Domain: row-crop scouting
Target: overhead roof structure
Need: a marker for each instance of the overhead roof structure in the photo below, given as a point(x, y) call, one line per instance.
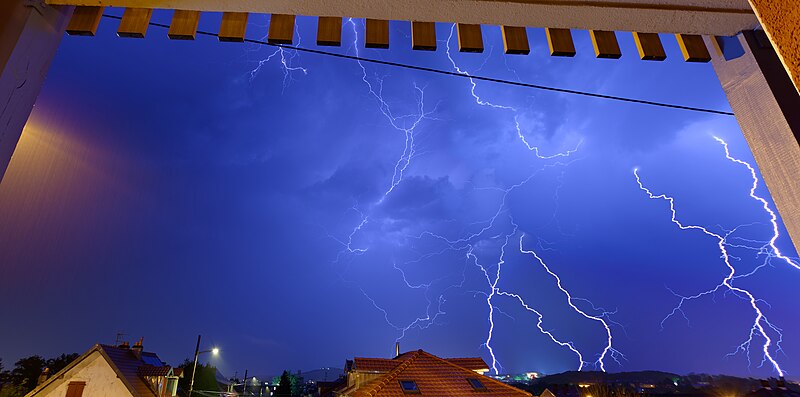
point(762, 81)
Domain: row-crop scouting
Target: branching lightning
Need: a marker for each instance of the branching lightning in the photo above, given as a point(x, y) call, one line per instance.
point(513, 110)
point(761, 326)
point(608, 349)
point(408, 126)
point(286, 59)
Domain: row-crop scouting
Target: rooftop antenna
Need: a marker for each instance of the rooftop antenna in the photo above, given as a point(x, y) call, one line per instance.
point(119, 340)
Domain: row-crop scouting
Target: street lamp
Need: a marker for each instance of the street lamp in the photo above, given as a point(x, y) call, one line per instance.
point(197, 352)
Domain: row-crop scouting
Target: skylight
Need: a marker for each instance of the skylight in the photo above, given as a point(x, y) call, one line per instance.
point(409, 386)
point(476, 384)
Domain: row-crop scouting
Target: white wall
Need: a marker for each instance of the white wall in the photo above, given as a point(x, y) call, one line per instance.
point(101, 380)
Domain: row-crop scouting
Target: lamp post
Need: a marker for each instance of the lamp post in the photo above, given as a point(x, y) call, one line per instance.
point(197, 352)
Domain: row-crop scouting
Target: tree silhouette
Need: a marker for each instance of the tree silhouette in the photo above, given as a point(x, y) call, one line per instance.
point(26, 372)
point(205, 378)
point(284, 388)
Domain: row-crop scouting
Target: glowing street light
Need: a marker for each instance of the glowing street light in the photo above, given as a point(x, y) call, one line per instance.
point(197, 352)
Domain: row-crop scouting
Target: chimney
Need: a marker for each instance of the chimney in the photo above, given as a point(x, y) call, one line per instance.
point(124, 345)
point(765, 384)
point(397, 349)
point(43, 377)
point(781, 384)
point(137, 348)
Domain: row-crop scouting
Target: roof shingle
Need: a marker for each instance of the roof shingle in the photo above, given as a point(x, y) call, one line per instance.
point(434, 376)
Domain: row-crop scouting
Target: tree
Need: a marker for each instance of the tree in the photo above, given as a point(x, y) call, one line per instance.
point(9, 390)
point(284, 388)
point(205, 377)
point(26, 372)
point(58, 363)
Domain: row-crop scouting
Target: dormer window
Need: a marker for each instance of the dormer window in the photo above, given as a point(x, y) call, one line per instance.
point(476, 384)
point(409, 387)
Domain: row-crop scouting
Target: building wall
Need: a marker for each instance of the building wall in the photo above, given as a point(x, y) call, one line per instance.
point(101, 380)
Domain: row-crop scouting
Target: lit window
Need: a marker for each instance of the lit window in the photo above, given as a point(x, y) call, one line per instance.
point(409, 386)
point(476, 384)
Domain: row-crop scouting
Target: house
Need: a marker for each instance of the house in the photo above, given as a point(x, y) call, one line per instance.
point(419, 373)
point(779, 390)
point(112, 371)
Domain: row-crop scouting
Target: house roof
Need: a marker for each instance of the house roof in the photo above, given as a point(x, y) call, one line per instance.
point(433, 376)
point(773, 392)
point(473, 363)
point(365, 364)
point(124, 362)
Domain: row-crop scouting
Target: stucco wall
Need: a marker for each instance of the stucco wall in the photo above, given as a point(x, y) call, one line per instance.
point(101, 380)
point(781, 21)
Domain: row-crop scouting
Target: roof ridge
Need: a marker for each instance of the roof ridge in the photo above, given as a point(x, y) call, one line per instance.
point(495, 381)
point(393, 373)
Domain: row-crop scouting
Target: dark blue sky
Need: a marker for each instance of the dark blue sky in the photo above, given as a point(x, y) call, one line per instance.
point(170, 188)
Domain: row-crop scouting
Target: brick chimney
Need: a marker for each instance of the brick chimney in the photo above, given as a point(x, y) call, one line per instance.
point(781, 384)
point(137, 348)
point(124, 345)
point(43, 377)
point(765, 384)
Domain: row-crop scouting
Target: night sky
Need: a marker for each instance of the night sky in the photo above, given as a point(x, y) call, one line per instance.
point(299, 216)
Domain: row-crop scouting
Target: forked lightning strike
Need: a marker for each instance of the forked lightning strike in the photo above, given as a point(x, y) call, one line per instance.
point(761, 325)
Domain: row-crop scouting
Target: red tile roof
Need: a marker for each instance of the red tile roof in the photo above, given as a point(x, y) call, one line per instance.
point(433, 376)
point(473, 363)
point(365, 364)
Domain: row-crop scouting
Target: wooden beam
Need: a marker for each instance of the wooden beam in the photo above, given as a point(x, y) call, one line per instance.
point(184, 25)
point(233, 27)
point(281, 29)
point(470, 38)
point(85, 20)
point(708, 17)
point(649, 46)
point(376, 33)
point(560, 42)
point(135, 22)
point(29, 39)
point(515, 40)
point(605, 44)
point(693, 48)
point(329, 31)
point(423, 36)
point(766, 104)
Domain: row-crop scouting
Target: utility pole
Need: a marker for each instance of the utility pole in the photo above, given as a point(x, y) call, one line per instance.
point(194, 368)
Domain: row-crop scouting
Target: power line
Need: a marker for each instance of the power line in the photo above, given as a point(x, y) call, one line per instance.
point(456, 74)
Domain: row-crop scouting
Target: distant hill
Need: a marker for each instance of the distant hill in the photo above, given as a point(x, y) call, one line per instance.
point(322, 374)
point(606, 377)
point(317, 375)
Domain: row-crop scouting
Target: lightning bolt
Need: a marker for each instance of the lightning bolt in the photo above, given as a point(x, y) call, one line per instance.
point(770, 248)
point(761, 324)
point(493, 291)
point(511, 109)
point(608, 349)
point(408, 125)
point(286, 59)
